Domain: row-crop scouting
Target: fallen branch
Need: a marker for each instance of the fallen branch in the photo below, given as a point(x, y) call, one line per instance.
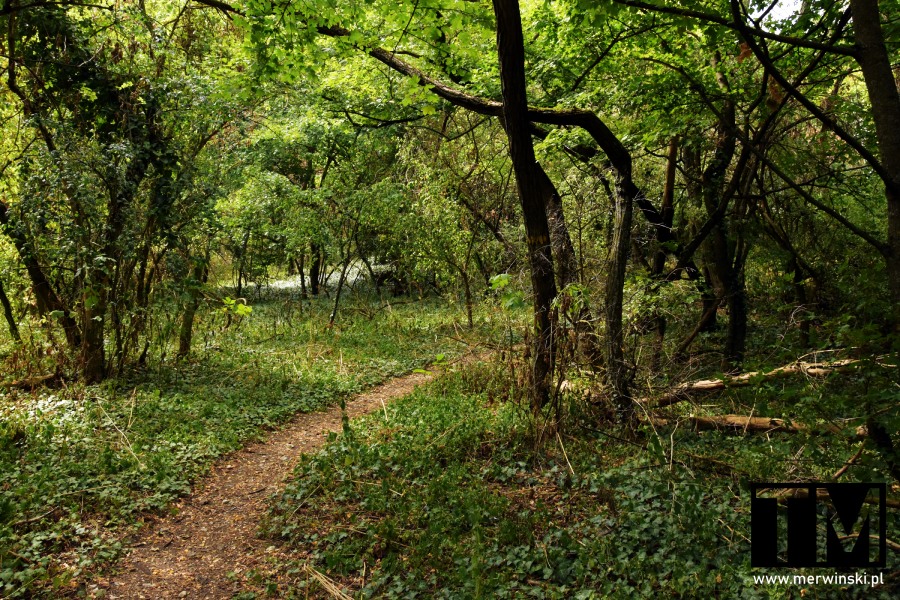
point(892, 545)
point(34, 519)
point(736, 422)
point(783, 495)
point(742, 424)
point(327, 584)
point(850, 462)
point(685, 391)
point(728, 468)
point(28, 383)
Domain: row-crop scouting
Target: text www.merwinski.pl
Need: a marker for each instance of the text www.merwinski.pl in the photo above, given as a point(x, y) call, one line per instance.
point(835, 579)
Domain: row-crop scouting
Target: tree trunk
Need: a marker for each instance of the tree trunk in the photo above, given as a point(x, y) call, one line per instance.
point(617, 369)
point(92, 357)
point(315, 269)
point(337, 293)
point(882, 87)
point(186, 334)
point(726, 265)
point(667, 208)
point(372, 274)
point(302, 276)
point(736, 338)
point(240, 278)
point(709, 317)
point(44, 294)
point(565, 260)
point(667, 213)
point(467, 290)
point(8, 313)
point(511, 54)
point(802, 300)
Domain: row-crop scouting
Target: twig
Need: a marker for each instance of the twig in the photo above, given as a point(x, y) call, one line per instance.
point(446, 431)
point(34, 519)
point(122, 433)
point(302, 502)
point(849, 463)
point(566, 456)
point(326, 583)
point(889, 543)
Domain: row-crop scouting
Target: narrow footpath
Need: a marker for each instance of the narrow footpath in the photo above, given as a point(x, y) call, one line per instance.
point(202, 550)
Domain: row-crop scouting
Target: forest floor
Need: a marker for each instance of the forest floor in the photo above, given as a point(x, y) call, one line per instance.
point(217, 477)
point(204, 548)
point(85, 468)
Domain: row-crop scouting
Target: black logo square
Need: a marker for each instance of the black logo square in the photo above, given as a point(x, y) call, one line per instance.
point(850, 518)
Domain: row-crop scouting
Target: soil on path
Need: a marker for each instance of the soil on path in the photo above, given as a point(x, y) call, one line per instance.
point(202, 550)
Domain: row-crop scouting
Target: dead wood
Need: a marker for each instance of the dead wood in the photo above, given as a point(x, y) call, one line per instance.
point(735, 422)
point(744, 424)
point(783, 495)
point(28, 383)
point(850, 462)
point(689, 389)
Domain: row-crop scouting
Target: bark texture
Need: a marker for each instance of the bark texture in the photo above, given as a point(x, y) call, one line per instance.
point(511, 53)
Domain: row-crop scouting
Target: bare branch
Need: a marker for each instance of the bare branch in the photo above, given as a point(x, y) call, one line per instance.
point(843, 49)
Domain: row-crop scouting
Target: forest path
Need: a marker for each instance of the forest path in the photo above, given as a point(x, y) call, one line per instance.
point(202, 551)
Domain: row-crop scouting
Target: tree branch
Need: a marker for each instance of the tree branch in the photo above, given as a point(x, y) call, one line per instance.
point(843, 49)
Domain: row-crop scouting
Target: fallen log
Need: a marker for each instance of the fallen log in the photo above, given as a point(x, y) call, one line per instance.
point(686, 390)
point(782, 495)
point(27, 383)
point(735, 422)
point(750, 424)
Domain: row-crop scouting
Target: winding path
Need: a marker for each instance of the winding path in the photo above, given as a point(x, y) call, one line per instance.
point(202, 550)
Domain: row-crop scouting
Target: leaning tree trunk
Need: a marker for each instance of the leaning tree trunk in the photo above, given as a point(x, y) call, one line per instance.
point(511, 54)
point(44, 294)
point(8, 313)
point(337, 293)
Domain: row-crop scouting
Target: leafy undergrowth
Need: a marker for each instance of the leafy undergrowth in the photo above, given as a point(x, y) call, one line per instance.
point(82, 466)
point(445, 497)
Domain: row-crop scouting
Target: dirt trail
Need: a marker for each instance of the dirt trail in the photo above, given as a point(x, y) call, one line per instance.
point(191, 554)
